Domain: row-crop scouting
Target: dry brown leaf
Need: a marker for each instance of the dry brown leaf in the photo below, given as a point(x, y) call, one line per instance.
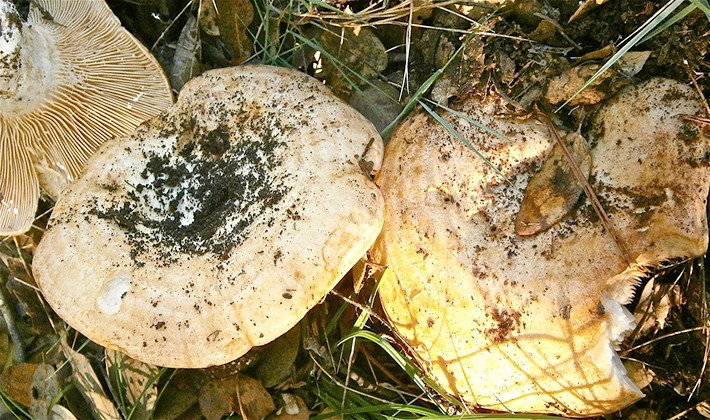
point(554, 190)
point(208, 18)
point(360, 51)
point(16, 382)
point(180, 395)
point(462, 75)
point(233, 18)
point(378, 103)
point(45, 389)
point(59, 412)
point(4, 348)
point(135, 382)
point(20, 286)
point(585, 6)
point(239, 394)
point(88, 384)
point(186, 61)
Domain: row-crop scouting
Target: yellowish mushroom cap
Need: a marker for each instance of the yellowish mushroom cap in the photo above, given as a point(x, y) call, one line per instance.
point(531, 323)
point(217, 225)
point(70, 78)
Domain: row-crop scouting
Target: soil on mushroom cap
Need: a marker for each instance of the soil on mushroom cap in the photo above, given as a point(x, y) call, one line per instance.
point(190, 200)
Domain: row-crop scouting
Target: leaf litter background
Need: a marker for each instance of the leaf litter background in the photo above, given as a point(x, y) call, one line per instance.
point(381, 57)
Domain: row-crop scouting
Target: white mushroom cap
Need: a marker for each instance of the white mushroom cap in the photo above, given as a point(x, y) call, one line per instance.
point(70, 78)
point(216, 226)
point(531, 323)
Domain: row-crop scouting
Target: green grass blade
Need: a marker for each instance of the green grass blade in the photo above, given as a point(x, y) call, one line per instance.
point(703, 5)
point(414, 100)
point(471, 121)
point(655, 20)
point(463, 140)
point(413, 371)
point(670, 22)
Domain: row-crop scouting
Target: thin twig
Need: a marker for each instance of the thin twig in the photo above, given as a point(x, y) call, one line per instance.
point(596, 204)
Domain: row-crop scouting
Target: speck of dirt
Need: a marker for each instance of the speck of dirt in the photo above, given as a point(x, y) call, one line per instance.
point(507, 323)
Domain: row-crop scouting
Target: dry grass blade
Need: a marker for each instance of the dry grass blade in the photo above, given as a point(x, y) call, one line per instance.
point(596, 204)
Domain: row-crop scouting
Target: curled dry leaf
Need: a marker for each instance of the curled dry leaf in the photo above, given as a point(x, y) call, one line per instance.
point(33, 385)
point(233, 18)
point(554, 190)
point(16, 382)
point(277, 358)
point(180, 395)
point(59, 412)
point(378, 103)
point(463, 74)
point(45, 390)
point(186, 61)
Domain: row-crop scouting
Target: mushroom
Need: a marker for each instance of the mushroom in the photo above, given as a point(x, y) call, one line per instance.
point(217, 225)
point(70, 78)
point(531, 323)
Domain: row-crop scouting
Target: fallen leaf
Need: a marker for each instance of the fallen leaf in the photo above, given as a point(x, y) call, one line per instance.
point(135, 380)
point(585, 6)
point(236, 394)
point(233, 20)
point(4, 348)
point(351, 57)
point(208, 17)
point(378, 103)
point(179, 395)
point(59, 412)
point(186, 61)
point(463, 75)
point(16, 382)
point(88, 384)
point(45, 390)
point(554, 190)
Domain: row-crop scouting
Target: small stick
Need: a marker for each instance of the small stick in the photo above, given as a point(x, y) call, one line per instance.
point(598, 208)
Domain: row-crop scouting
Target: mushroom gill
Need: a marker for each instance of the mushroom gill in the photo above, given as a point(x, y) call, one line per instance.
point(70, 78)
point(531, 323)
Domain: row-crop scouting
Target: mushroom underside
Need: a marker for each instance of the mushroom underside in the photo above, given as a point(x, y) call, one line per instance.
point(77, 79)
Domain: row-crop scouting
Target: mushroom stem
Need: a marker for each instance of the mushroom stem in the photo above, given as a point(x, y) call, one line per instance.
point(10, 34)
